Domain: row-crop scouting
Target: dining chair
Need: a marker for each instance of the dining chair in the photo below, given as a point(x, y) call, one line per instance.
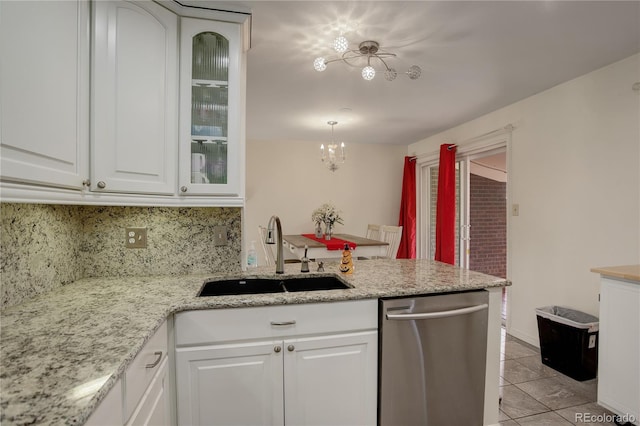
point(269, 257)
point(391, 234)
point(373, 232)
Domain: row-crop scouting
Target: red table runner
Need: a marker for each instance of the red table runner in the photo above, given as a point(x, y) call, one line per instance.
point(332, 244)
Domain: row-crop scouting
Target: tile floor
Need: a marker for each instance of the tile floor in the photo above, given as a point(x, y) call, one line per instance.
point(534, 394)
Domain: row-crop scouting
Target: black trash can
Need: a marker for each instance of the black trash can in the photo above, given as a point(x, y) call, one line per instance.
point(569, 341)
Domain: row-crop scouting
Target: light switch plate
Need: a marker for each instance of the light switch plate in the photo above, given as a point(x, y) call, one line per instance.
point(136, 238)
point(219, 235)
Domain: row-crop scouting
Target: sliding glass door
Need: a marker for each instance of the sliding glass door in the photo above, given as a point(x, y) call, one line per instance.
point(430, 176)
point(471, 166)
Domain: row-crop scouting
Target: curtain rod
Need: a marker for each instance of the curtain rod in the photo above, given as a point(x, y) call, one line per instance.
point(508, 128)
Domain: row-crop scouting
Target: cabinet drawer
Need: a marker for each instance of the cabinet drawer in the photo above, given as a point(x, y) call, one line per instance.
point(140, 373)
point(153, 409)
point(210, 326)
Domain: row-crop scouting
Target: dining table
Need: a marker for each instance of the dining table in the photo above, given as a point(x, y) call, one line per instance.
point(326, 249)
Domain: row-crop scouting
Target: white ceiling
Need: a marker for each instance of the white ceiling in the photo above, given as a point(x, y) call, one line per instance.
point(476, 57)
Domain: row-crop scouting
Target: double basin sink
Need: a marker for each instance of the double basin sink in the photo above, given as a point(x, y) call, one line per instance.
point(238, 286)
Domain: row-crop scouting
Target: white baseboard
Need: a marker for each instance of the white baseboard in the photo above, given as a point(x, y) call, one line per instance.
point(527, 337)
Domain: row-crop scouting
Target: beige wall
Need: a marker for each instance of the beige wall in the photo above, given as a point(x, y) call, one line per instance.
point(289, 180)
point(575, 172)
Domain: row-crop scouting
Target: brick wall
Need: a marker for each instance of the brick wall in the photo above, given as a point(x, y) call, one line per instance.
point(488, 219)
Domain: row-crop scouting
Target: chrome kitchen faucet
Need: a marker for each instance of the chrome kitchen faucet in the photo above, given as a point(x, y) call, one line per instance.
point(269, 240)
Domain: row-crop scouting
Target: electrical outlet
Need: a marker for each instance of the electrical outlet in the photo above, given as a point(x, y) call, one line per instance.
point(219, 235)
point(515, 210)
point(136, 238)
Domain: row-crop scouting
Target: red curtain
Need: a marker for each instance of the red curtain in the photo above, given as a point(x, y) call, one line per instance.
point(407, 249)
point(446, 207)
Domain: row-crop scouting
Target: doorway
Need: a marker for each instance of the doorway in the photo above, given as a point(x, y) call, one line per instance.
point(481, 206)
point(488, 214)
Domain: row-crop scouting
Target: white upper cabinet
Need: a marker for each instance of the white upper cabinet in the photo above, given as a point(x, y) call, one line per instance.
point(44, 92)
point(211, 86)
point(122, 102)
point(134, 98)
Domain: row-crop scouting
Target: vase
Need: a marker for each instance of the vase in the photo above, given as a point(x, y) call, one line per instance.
point(328, 231)
point(318, 230)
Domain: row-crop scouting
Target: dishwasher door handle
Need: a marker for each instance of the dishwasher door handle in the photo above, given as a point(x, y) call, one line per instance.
point(441, 314)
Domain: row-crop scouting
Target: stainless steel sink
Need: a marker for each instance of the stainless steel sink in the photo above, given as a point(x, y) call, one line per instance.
point(270, 285)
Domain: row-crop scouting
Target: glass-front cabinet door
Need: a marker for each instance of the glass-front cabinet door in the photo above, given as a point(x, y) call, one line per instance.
point(210, 108)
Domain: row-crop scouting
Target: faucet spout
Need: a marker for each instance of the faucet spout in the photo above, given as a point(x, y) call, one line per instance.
point(269, 240)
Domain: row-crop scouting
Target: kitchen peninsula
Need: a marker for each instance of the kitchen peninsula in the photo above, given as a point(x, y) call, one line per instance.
point(90, 331)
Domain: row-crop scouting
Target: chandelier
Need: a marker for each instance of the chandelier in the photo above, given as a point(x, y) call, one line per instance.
point(330, 156)
point(366, 55)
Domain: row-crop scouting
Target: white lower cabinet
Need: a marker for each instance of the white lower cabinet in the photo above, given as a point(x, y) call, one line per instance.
point(308, 368)
point(146, 383)
point(143, 395)
point(154, 407)
point(331, 380)
point(109, 412)
point(236, 384)
point(619, 348)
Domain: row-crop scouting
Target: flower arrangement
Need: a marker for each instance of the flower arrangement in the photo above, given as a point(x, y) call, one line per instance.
point(326, 213)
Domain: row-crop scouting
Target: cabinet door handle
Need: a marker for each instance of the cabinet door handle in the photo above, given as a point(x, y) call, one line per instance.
point(102, 185)
point(282, 323)
point(183, 188)
point(291, 348)
point(277, 349)
point(157, 361)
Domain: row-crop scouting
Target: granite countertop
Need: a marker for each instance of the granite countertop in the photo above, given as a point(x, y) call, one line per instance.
point(89, 331)
point(625, 272)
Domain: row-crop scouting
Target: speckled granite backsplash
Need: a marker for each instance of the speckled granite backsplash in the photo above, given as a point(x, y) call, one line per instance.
point(179, 241)
point(46, 246)
point(40, 249)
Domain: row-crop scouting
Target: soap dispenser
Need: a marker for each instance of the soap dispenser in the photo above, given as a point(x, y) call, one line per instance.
point(305, 260)
point(252, 256)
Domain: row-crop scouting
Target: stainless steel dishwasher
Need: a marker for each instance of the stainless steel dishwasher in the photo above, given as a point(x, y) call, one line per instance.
point(433, 353)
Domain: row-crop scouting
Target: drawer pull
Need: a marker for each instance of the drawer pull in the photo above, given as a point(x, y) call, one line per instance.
point(282, 323)
point(157, 361)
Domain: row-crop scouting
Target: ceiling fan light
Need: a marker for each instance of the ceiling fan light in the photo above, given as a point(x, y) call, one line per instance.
point(340, 44)
point(368, 52)
point(414, 72)
point(368, 72)
point(319, 64)
point(390, 74)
